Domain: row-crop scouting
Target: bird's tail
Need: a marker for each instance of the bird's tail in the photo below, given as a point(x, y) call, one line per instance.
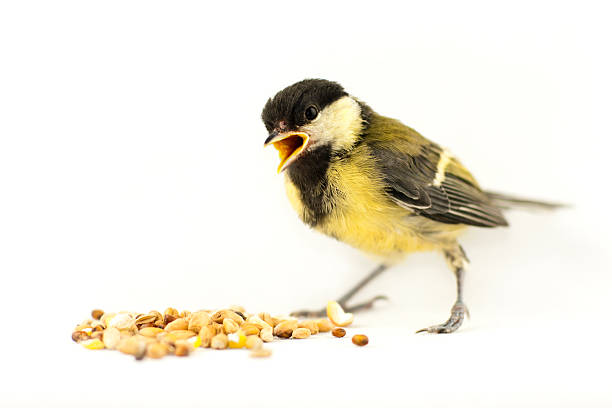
point(505, 201)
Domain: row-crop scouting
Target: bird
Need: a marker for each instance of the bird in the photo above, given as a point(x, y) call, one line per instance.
point(376, 184)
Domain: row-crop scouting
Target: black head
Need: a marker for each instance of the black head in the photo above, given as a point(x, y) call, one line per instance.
point(311, 116)
point(299, 103)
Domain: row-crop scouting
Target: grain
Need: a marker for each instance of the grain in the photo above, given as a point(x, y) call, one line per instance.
point(156, 335)
point(360, 340)
point(339, 332)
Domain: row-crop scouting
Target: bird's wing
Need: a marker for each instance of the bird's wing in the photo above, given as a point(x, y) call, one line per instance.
point(420, 176)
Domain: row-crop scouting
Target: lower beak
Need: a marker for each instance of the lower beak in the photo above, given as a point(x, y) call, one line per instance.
point(289, 146)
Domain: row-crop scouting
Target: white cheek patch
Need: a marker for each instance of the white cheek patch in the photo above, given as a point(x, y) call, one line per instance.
point(339, 124)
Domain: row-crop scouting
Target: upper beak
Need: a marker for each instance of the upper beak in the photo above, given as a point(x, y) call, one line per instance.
point(289, 146)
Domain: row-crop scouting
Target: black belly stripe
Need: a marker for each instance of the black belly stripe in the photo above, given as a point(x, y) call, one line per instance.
point(309, 175)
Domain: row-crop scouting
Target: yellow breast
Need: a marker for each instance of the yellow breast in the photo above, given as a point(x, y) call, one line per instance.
point(363, 217)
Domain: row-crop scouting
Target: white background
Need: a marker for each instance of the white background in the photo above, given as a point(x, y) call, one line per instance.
point(132, 177)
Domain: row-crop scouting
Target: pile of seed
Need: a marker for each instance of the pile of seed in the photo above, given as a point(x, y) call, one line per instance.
point(156, 335)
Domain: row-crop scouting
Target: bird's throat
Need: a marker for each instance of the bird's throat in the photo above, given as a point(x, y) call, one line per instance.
point(309, 175)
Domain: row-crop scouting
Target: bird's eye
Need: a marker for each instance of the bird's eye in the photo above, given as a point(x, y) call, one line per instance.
point(311, 112)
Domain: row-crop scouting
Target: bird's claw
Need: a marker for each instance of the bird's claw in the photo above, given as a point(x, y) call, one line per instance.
point(348, 309)
point(458, 313)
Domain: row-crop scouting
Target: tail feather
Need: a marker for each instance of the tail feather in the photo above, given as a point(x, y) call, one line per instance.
point(505, 201)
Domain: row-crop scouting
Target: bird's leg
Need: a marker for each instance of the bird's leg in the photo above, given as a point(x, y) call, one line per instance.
point(458, 261)
point(348, 295)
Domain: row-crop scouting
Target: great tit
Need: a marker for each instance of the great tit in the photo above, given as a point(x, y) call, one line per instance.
point(376, 184)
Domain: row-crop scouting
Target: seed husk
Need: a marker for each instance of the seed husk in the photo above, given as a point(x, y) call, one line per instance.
point(144, 319)
point(219, 316)
point(86, 327)
point(360, 340)
point(80, 336)
point(122, 321)
point(171, 312)
point(96, 335)
point(169, 319)
point(158, 316)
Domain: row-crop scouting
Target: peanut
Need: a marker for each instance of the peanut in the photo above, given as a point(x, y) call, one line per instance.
point(230, 326)
point(150, 331)
point(206, 334)
point(157, 350)
point(111, 338)
point(253, 342)
point(178, 324)
point(310, 325)
point(182, 350)
point(324, 325)
point(199, 320)
point(219, 316)
point(285, 328)
point(219, 342)
point(133, 346)
point(300, 333)
point(250, 329)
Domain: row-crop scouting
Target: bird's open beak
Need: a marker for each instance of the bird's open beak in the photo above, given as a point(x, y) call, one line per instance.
point(289, 146)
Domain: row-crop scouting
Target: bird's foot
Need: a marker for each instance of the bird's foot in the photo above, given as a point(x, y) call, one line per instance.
point(458, 312)
point(348, 309)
